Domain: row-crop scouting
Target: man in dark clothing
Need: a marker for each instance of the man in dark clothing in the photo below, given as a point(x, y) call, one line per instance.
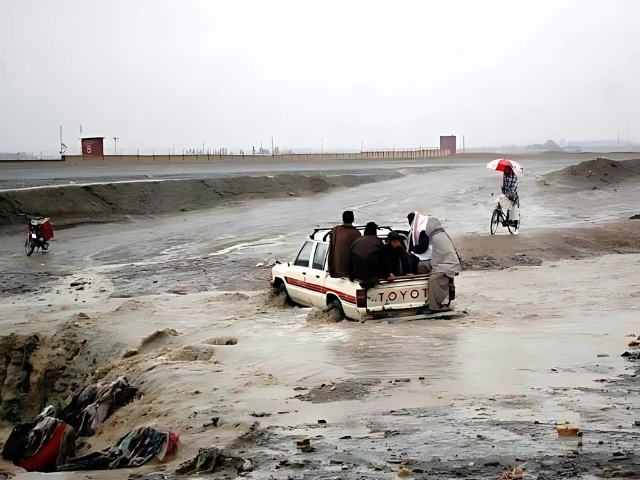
point(340, 241)
point(397, 257)
point(368, 262)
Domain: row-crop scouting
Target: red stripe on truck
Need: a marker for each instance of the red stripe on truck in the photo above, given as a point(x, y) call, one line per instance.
point(320, 289)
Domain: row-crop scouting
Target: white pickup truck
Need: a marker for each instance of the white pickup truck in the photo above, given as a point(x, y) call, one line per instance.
point(306, 282)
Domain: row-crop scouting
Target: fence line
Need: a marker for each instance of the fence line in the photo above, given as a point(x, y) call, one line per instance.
point(284, 157)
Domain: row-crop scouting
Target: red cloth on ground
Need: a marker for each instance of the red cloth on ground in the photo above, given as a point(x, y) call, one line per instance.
point(45, 459)
point(172, 442)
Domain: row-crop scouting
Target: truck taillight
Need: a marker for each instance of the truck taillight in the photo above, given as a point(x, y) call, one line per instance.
point(361, 298)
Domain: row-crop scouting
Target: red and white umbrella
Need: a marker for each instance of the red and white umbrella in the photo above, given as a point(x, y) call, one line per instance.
point(499, 165)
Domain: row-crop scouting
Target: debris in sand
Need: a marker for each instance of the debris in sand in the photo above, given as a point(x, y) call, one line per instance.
point(305, 445)
point(322, 422)
point(333, 392)
point(221, 341)
point(515, 474)
point(635, 342)
point(631, 354)
point(404, 472)
point(567, 430)
point(41, 445)
point(635, 217)
point(215, 421)
point(210, 460)
point(260, 414)
point(95, 403)
point(130, 353)
point(602, 355)
point(126, 453)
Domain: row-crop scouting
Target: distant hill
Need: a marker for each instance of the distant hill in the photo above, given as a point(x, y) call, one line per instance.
point(548, 146)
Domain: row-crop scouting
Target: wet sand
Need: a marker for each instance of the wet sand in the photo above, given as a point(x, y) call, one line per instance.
point(467, 398)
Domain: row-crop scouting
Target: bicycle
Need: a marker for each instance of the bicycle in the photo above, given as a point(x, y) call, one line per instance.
point(499, 218)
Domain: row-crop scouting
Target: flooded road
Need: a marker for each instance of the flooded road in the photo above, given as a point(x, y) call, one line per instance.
point(473, 395)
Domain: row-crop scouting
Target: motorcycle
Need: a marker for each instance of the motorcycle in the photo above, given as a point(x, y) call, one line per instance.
point(40, 232)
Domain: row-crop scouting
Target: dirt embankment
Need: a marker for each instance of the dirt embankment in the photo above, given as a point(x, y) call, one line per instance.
point(531, 248)
point(79, 203)
point(594, 173)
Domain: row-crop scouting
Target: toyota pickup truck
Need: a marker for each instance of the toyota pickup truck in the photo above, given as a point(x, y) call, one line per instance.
point(306, 281)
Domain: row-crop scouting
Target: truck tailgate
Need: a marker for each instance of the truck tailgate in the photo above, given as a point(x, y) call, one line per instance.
point(400, 294)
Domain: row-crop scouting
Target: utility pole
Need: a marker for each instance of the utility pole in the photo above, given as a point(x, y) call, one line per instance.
point(322, 139)
point(627, 131)
point(63, 147)
point(618, 138)
point(463, 144)
point(203, 147)
point(361, 146)
point(115, 145)
point(272, 152)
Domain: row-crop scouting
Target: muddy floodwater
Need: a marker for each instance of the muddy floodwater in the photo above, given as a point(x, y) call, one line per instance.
point(179, 303)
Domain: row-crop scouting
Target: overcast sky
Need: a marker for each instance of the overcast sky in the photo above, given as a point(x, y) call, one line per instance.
point(231, 74)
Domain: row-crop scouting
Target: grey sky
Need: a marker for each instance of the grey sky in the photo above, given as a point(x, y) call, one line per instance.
point(233, 73)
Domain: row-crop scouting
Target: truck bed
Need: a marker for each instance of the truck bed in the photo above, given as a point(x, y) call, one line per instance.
point(402, 293)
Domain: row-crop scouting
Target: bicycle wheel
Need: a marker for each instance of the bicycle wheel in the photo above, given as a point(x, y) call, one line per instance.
point(513, 229)
point(495, 221)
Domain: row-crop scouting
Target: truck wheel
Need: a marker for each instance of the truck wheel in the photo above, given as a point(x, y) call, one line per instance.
point(338, 307)
point(280, 290)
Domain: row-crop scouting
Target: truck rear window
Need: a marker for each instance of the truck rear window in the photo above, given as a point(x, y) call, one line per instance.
point(319, 256)
point(305, 255)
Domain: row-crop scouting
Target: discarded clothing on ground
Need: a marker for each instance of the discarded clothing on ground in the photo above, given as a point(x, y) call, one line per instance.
point(210, 460)
point(134, 449)
point(95, 403)
point(41, 445)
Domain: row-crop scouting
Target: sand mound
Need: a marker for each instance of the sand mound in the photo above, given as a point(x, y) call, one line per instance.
point(598, 171)
point(159, 338)
point(530, 248)
point(101, 202)
point(192, 353)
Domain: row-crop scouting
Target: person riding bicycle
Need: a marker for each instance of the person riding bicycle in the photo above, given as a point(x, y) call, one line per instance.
point(510, 190)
